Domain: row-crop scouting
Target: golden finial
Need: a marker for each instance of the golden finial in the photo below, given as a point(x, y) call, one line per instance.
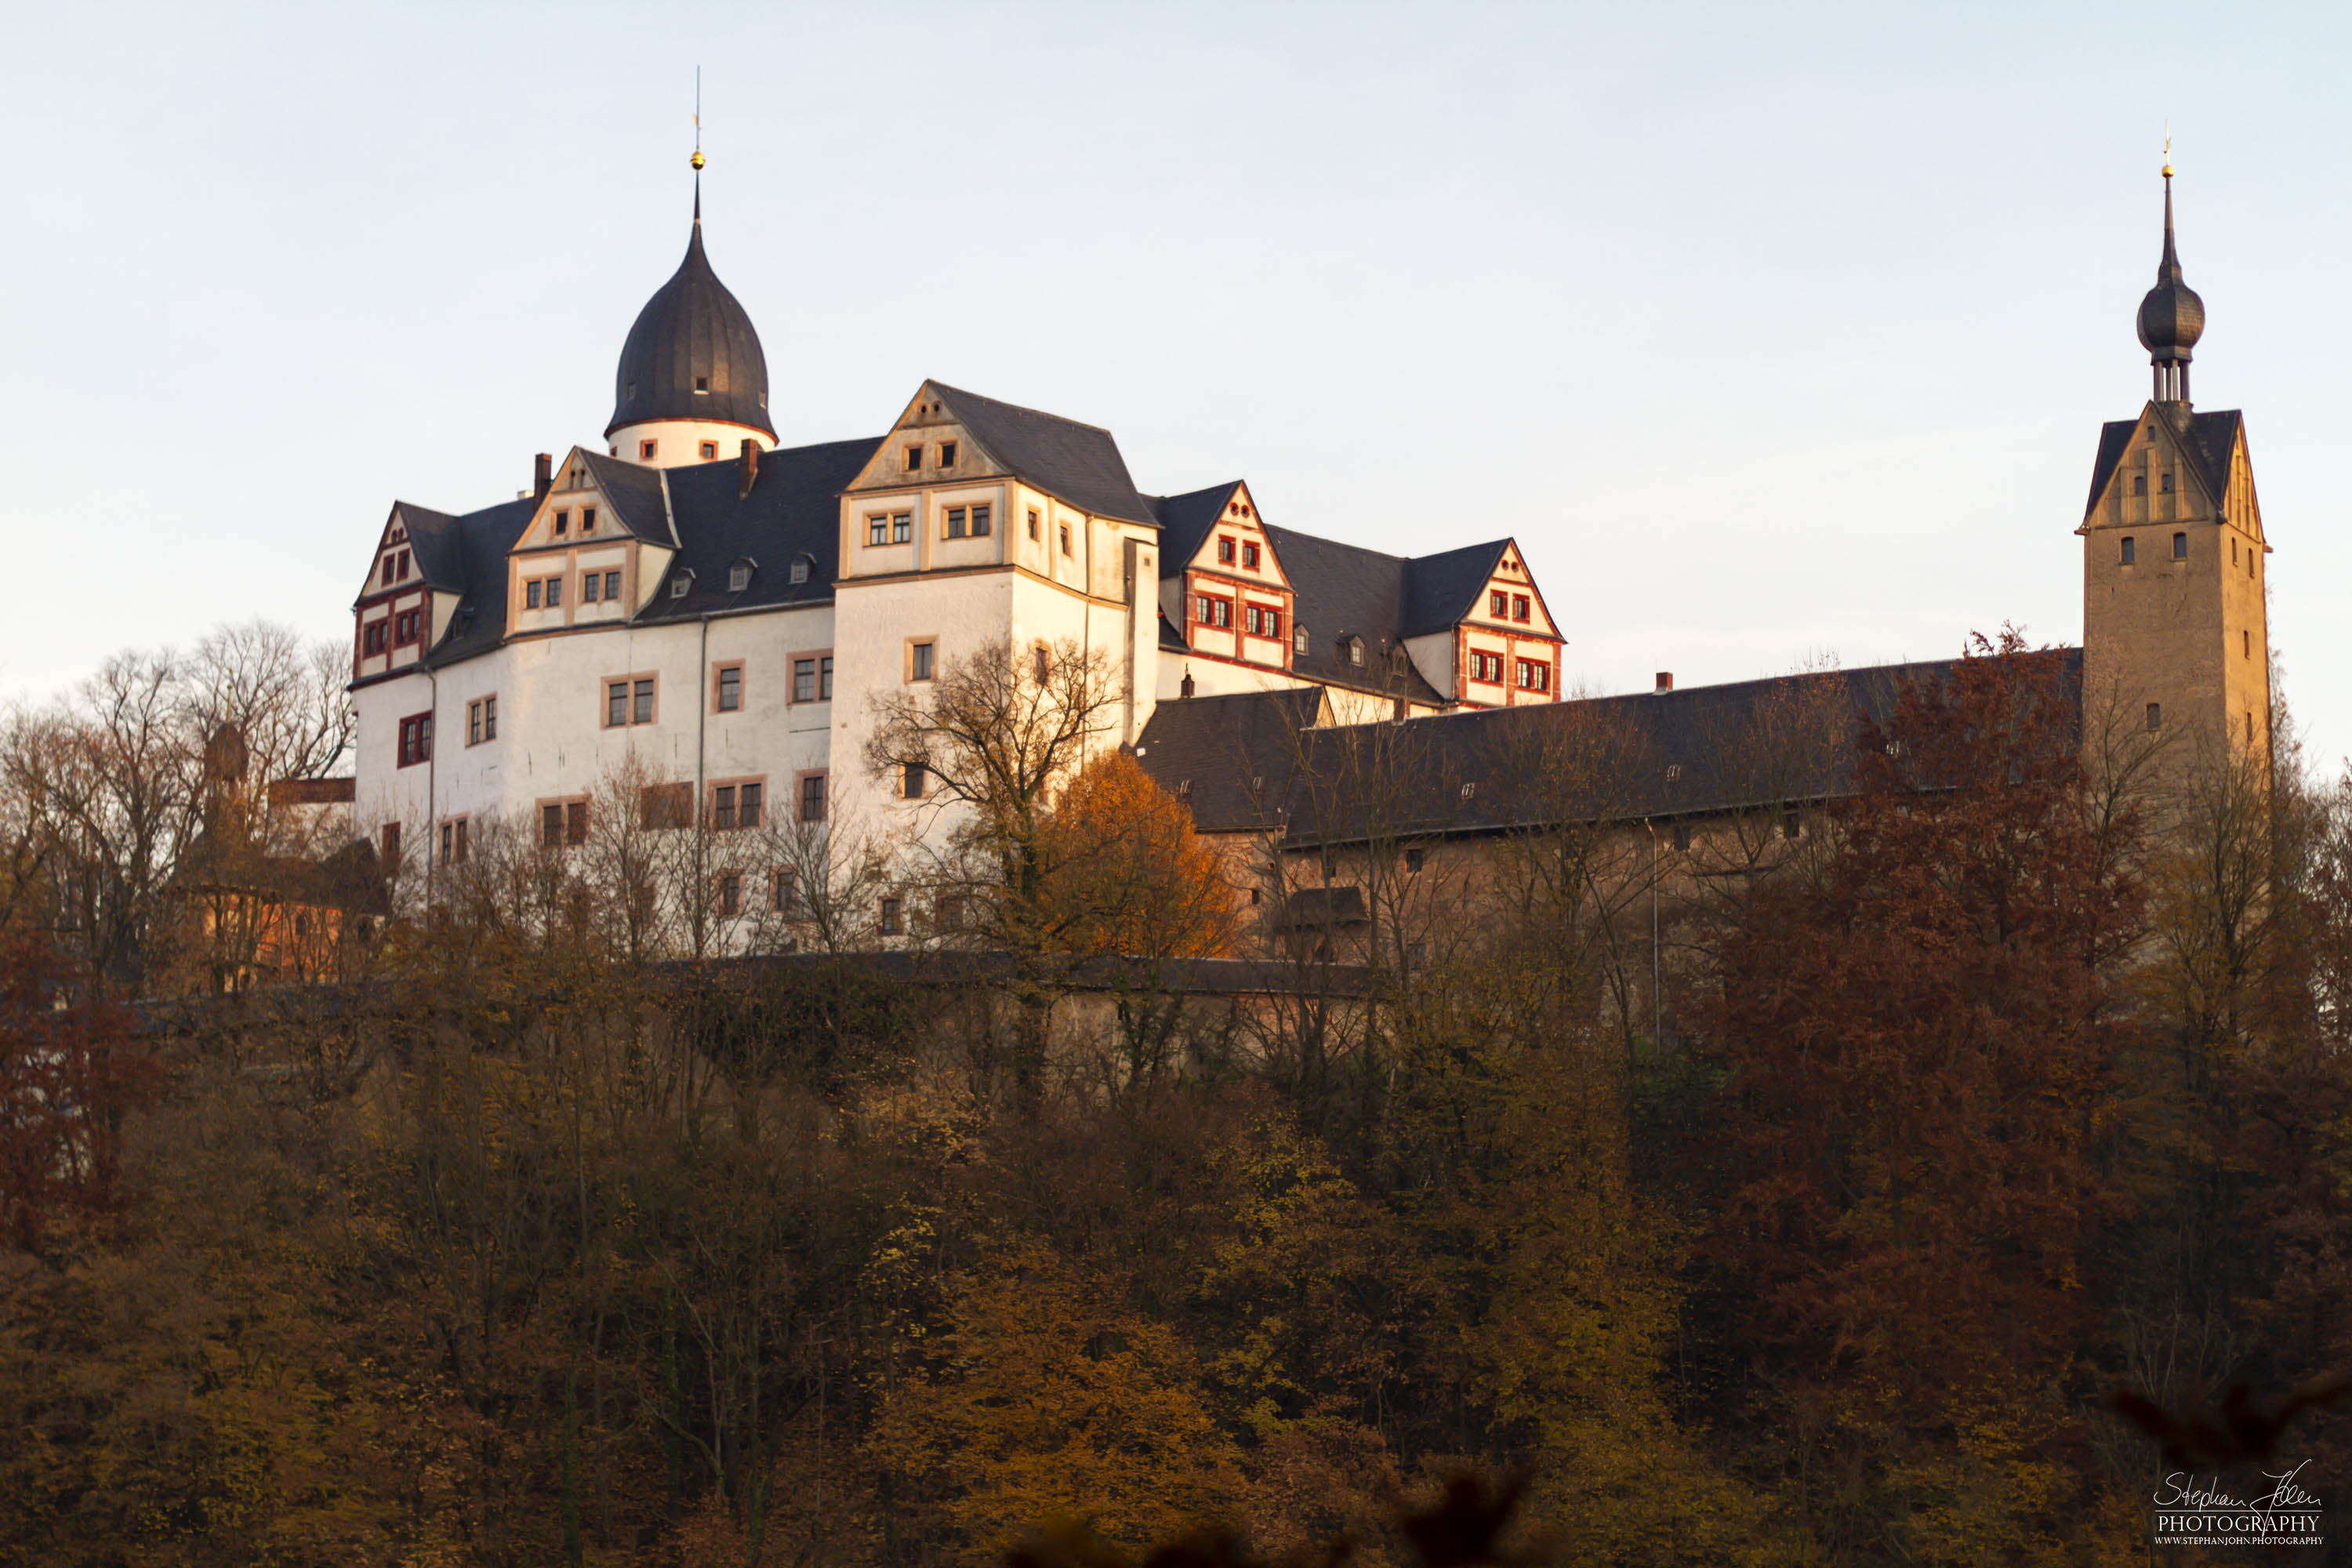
point(696, 159)
point(2167, 151)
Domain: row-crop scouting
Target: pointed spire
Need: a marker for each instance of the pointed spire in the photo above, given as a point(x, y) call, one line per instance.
point(2168, 270)
point(2171, 316)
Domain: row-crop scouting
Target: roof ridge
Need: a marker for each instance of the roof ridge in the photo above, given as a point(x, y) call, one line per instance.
point(1019, 408)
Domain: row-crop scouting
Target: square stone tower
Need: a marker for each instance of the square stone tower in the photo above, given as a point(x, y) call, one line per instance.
point(2175, 634)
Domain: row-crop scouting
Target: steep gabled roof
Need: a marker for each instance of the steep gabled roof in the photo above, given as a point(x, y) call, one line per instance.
point(2208, 440)
point(1342, 590)
point(1079, 463)
point(633, 494)
point(794, 510)
point(1185, 521)
point(483, 539)
point(1442, 590)
point(434, 545)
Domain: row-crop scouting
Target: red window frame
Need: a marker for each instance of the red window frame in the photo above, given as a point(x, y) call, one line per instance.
point(372, 637)
point(1212, 611)
point(415, 740)
point(1249, 557)
point(1225, 550)
point(1499, 603)
point(1520, 608)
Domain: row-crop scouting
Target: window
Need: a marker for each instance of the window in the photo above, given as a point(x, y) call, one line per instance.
point(2246, 643)
point(531, 594)
point(727, 688)
point(825, 677)
point(1249, 557)
point(919, 660)
point(611, 585)
point(878, 529)
point(1033, 523)
point(804, 688)
point(1498, 604)
point(587, 520)
point(1225, 550)
point(415, 740)
point(730, 894)
point(645, 450)
point(2140, 484)
point(893, 919)
point(2156, 715)
point(784, 890)
point(404, 627)
point(1298, 640)
point(372, 637)
point(1355, 651)
point(563, 523)
point(389, 562)
point(902, 527)
point(914, 458)
point(2234, 553)
point(799, 573)
point(1042, 662)
point(1487, 667)
point(481, 721)
point(734, 806)
point(1065, 539)
point(1534, 676)
point(709, 449)
point(2130, 549)
point(1682, 838)
point(588, 587)
point(982, 522)
point(629, 700)
point(665, 805)
point(1250, 617)
point(2180, 547)
point(2250, 726)
point(391, 846)
point(554, 592)
point(452, 842)
point(912, 780)
point(683, 584)
point(739, 576)
point(947, 454)
point(1519, 607)
point(812, 797)
point(403, 565)
point(1412, 860)
point(1793, 826)
point(955, 522)
point(2164, 484)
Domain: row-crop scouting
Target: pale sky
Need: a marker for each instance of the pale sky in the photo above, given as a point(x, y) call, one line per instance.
point(1769, 333)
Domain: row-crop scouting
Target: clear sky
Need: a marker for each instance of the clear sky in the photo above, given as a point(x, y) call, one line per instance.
point(1771, 332)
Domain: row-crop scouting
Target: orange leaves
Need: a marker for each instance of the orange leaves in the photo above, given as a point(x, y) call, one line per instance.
point(1124, 873)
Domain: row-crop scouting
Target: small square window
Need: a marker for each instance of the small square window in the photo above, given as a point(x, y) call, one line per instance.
point(918, 661)
point(710, 450)
point(702, 384)
point(947, 454)
point(645, 450)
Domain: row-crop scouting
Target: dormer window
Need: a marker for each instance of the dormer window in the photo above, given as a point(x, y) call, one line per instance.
point(1298, 640)
point(947, 454)
point(800, 569)
point(682, 585)
point(739, 576)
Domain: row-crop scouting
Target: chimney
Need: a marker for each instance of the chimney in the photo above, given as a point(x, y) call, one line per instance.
point(1666, 682)
point(542, 475)
point(748, 473)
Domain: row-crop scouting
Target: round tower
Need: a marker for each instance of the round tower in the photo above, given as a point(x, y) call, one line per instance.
point(693, 383)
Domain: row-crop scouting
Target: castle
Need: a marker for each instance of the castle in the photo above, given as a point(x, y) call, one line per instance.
point(701, 604)
point(696, 602)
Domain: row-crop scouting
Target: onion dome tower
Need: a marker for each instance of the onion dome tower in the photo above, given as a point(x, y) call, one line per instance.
point(693, 383)
point(2171, 316)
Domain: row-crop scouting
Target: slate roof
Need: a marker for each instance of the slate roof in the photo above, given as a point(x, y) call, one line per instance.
point(1440, 591)
point(1185, 521)
point(1699, 752)
point(434, 545)
point(692, 328)
point(481, 621)
point(792, 510)
point(1207, 751)
point(1079, 463)
point(2209, 441)
point(1342, 590)
point(633, 496)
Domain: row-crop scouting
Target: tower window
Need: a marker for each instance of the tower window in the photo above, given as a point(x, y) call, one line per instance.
point(911, 781)
point(710, 450)
point(2131, 550)
point(2246, 642)
point(2156, 715)
point(2180, 547)
point(2234, 553)
point(645, 450)
point(702, 384)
